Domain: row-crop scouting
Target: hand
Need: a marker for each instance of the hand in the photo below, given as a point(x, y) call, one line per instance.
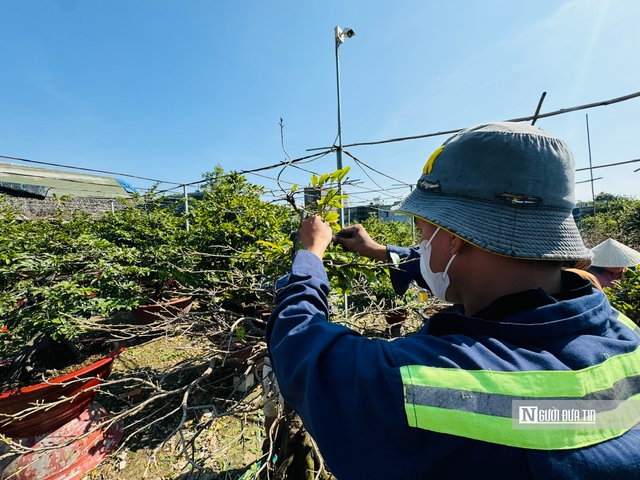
point(315, 235)
point(357, 239)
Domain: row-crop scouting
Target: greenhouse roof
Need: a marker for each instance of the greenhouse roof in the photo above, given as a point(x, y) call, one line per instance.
point(62, 182)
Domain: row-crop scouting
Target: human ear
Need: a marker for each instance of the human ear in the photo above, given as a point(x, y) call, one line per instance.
point(456, 244)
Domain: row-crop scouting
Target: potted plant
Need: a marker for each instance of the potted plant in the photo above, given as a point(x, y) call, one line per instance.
point(162, 301)
point(53, 275)
point(242, 241)
point(24, 411)
point(395, 306)
point(152, 312)
point(68, 452)
point(160, 268)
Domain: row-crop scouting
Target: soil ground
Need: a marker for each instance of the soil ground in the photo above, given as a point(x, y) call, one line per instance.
point(225, 438)
point(227, 446)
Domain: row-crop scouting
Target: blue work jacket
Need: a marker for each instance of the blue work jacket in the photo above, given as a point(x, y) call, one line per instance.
point(353, 399)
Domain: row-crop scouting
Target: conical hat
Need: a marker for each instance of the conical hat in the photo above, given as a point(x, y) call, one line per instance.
point(614, 254)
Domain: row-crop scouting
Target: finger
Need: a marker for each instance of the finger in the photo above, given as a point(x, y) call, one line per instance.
point(345, 234)
point(340, 241)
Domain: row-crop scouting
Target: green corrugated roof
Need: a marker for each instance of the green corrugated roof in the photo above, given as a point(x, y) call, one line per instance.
point(63, 182)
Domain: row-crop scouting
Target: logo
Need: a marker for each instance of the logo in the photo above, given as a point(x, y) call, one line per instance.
point(575, 414)
point(528, 414)
point(429, 165)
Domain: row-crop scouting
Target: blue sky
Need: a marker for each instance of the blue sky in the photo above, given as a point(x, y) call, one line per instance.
point(170, 89)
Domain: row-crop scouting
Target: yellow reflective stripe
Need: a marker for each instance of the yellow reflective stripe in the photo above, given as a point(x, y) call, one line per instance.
point(557, 383)
point(500, 430)
point(616, 376)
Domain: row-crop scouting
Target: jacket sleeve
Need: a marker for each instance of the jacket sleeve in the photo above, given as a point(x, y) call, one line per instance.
point(327, 372)
point(404, 267)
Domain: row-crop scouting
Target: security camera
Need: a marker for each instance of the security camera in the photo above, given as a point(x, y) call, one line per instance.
point(340, 33)
point(348, 32)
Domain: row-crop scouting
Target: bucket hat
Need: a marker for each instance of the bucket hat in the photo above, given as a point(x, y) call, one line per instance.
point(504, 187)
point(612, 253)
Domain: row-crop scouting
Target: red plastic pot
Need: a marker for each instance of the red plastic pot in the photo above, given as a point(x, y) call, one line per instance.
point(241, 351)
point(62, 460)
point(395, 318)
point(146, 314)
point(42, 421)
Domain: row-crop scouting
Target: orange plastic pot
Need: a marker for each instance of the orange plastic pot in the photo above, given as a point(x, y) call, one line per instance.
point(68, 386)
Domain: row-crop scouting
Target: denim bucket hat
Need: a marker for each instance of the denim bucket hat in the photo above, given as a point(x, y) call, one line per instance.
point(504, 187)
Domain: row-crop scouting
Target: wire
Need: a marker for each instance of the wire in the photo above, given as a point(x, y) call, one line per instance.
point(378, 191)
point(368, 200)
point(381, 190)
point(295, 160)
point(314, 156)
point(328, 150)
point(377, 171)
point(85, 169)
point(368, 176)
point(305, 170)
point(521, 119)
point(272, 178)
point(608, 165)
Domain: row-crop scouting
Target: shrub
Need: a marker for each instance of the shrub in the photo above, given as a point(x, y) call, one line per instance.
point(625, 297)
point(54, 272)
point(241, 243)
point(57, 271)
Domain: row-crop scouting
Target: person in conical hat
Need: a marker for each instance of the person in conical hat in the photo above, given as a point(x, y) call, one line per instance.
point(610, 259)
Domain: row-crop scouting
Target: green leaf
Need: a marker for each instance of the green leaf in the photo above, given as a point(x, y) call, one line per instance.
point(240, 333)
point(343, 172)
point(332, 216)
point(340, 197)
point(267, 244)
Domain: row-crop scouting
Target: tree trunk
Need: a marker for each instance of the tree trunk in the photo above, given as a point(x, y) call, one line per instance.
point(297, 457)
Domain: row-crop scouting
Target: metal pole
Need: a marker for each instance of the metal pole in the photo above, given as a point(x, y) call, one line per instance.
point(413, 220)
point(593, 194)
point(338, 32)
point(339, 150)
point(186, 206)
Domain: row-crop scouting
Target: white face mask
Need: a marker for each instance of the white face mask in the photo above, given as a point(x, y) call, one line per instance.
point(438, 282)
